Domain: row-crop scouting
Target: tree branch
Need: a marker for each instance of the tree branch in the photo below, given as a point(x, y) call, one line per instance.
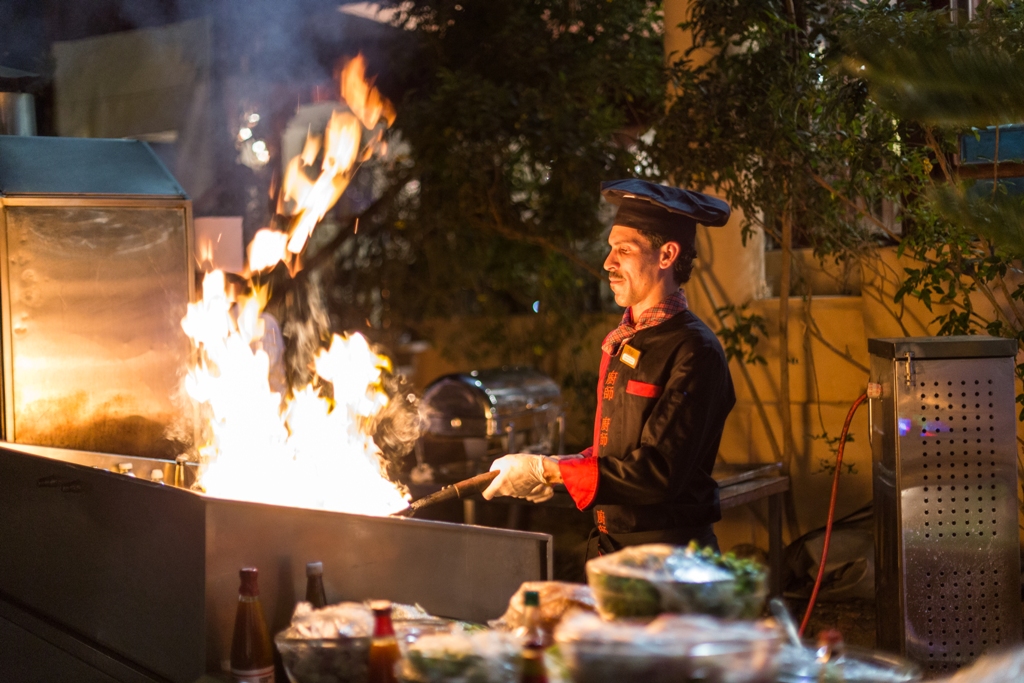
point(499, 227)
point(940, 156)
point(758, 403)
point(992, 300)
point(845, 200)
point(1010, 301)
point(870, 290)
point(323, 254)
point(815, 331)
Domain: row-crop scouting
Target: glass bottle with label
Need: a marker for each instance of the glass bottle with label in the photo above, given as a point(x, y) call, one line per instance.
point(384, 652)
point(315, 594)
point(533, 664)
point(534, 640)
point(532, 631)
point(252, 655)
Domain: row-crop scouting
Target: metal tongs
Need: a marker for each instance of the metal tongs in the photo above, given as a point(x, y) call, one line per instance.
point(456, 491)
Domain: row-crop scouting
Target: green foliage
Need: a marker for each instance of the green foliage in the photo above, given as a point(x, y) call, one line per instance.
point(773, 125)
point(509, 124)
point(968, 237)
point(929, 69)
point(741, 337)
point(997, 215)
point(828, 465)
point(827, 111)
point(951, 75)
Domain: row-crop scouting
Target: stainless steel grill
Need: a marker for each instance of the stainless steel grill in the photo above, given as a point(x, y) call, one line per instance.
point(475, 417)
point(101, 572)
point(945, 487)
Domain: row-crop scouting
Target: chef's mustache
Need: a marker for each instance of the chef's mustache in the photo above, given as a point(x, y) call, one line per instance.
point(614, 274)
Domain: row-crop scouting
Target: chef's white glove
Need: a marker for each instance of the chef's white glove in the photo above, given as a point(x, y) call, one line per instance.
point(520, 475)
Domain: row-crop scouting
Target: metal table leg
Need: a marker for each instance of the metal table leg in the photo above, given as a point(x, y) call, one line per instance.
point(775, 544)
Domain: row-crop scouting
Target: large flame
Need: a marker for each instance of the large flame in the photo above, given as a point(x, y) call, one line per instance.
point(308, 193)
point(311, 447)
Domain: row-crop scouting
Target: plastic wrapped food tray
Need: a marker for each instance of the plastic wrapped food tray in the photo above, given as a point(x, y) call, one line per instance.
point(647, 580)
point(329, 645)
point(459, 657)
point(557, 598)
point(323, 660)
point(670, 649)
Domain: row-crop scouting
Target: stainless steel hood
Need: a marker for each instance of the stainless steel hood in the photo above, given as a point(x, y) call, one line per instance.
point(142, 578)
point(95, 273)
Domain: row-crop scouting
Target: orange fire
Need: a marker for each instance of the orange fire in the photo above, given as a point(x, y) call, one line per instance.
point(308, 193)
point(364, 100)
point(311, 447)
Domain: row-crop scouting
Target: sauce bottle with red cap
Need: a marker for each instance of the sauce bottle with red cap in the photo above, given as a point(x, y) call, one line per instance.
point(384, 652)
point(252, 656)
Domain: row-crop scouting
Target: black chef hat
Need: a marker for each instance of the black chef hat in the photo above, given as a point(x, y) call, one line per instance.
point(668, 211)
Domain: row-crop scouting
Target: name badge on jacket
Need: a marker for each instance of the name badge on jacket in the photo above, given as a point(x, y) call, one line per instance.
point(629, 355)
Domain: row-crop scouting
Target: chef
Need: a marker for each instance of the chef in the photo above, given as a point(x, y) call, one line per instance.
point(663, 391)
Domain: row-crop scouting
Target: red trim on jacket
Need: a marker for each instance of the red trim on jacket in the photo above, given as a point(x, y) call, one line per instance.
point(580, 474)
point(602, 373)
point(580, 477)
point(643, 389)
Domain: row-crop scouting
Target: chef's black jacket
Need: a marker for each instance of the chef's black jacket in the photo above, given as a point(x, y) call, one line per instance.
point(656, 433)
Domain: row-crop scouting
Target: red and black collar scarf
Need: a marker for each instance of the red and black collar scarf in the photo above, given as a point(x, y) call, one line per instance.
point(653, 316)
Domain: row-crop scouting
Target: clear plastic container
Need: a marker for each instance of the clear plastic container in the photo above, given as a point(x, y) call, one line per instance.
point(670, 649)
point(647, 580)
point(324, 660)
point(459, 657)
point(329, 645)
point(738, 661)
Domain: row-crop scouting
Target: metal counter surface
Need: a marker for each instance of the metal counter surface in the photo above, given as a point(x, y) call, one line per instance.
point(150, 572)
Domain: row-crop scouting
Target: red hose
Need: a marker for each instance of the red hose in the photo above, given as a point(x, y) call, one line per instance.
point(831, 511)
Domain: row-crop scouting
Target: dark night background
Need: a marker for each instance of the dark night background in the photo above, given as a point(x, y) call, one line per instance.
point(287, 51)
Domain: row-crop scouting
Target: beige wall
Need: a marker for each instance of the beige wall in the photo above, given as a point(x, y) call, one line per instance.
point(826, 375)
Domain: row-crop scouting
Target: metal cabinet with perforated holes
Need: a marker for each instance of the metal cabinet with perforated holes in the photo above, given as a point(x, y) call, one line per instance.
point(944, 447)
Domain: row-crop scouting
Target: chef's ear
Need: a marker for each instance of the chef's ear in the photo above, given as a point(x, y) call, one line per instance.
point(667, 254)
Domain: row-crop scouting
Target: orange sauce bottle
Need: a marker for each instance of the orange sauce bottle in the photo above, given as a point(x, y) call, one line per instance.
point(384, 652)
